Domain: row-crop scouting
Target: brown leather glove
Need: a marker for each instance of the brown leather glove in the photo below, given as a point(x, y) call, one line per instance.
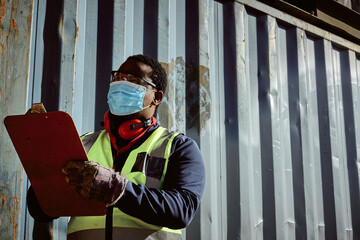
point(94, 181)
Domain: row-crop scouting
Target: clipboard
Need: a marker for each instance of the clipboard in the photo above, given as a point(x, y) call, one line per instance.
point(44, 142)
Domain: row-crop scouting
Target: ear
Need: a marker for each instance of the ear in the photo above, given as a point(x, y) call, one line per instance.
point(159, 95)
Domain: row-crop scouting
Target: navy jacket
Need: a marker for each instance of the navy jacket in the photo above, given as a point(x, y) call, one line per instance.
point(175, 205)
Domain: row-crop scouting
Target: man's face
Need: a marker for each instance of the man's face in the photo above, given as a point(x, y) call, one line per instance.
point(142, 70)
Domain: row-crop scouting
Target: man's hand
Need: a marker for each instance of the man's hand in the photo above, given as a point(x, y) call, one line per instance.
point(93, 181)
point(36, 108)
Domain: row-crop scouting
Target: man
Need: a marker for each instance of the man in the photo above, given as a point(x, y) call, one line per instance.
point(151, 179)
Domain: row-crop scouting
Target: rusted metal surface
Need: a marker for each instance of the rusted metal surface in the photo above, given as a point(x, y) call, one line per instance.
point(15, 34)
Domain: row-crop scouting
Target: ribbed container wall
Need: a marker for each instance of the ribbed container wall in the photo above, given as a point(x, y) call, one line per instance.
point(15, 40)
point(273, 103)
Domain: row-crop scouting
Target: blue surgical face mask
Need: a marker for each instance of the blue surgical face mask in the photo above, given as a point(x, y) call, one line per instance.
point(125, 98)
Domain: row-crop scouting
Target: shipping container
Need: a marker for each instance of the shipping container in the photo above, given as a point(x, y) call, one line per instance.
point(272, 100)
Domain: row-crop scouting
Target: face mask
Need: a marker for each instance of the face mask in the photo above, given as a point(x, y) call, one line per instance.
point(125, 98)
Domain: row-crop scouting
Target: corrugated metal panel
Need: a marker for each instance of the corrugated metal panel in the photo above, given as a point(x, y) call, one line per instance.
point(15, 32)
point(272, 101)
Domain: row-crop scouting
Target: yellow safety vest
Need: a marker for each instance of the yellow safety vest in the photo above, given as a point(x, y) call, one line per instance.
point(155, 152)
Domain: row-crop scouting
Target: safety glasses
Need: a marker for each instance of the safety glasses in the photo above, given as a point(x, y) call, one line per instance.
point(119, 76)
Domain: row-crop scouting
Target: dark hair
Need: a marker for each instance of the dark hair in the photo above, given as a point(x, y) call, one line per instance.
point(158, 74)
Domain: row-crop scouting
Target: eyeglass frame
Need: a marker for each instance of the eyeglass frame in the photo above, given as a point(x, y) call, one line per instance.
point(112, 79)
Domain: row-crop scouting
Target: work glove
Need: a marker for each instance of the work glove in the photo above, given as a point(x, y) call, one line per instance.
point(93, 181)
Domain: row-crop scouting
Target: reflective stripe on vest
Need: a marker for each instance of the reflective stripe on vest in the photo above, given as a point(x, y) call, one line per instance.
point(145, 165)
point(124, 234)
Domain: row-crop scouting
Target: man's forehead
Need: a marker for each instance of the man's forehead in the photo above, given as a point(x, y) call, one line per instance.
point(135, 67)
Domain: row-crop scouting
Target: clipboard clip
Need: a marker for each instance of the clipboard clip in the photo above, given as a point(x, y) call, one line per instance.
point(36, 108)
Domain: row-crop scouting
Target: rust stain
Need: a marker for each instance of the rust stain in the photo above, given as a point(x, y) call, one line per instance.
point(61, 25)
point(14, 215)
point(13, 9)
point(171, 108)
point(2, 10)
point(1, 47)
point(197, 94)
point(29, 16)
point(14, 26)
point(11, 213)
point(10, 203)
point(76, 33)
point(165, 66)
point(204, 76)
point(171, 66)
point(198, 105)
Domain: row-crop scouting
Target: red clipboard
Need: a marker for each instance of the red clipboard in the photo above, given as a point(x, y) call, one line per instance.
point(44, 143)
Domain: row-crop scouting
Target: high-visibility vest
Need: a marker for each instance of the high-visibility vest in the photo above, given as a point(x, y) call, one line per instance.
point(145, 165)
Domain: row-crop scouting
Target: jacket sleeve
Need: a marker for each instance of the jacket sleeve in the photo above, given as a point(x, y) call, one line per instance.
point(35, 209)
point(175, 205)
